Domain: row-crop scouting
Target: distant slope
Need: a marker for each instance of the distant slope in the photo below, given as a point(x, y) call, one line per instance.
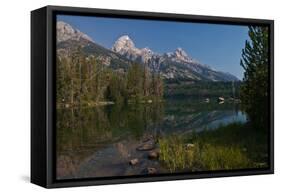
point(107, 57)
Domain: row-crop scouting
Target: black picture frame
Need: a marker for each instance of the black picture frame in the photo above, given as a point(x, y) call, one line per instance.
point(43, 84)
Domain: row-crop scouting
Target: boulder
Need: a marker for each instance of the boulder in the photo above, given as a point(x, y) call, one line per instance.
point(147, 138)
point(134, 161)
point(153, 154)
point(220, 99)
point(146, 146)
point(151, 170)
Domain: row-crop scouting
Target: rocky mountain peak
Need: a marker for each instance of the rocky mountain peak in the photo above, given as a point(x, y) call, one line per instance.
point(125, 46)
point(66, 32)
point(147, 51)
point(125, 38)
point(180, 52)
point(181, 55)
point(123, 43)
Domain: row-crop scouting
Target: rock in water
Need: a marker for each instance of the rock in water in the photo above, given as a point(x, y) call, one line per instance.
point(147, 138)
point(153, 154)
point(134, 161)
point(146, 147)
point(151, 170)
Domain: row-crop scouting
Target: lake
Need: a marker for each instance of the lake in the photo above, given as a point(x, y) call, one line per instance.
point(101, 141)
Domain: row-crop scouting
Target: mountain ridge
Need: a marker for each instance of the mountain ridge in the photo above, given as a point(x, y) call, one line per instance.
point(186, 66)
point(65, 32)
point(171, 65)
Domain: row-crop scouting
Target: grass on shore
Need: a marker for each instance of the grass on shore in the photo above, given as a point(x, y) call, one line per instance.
point(222, 149)
point(174, 154)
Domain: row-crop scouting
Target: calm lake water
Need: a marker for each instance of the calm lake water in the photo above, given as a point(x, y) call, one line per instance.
point(100, 141)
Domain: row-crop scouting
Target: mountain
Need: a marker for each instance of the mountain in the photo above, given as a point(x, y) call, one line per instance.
point(70, 40)
point(67, 32)
point(172, 65)
point(126, 47)
point(177, 65)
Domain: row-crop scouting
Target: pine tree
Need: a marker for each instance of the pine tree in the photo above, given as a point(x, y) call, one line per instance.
point(254, 90)
point(134, 81)
point(146, 81)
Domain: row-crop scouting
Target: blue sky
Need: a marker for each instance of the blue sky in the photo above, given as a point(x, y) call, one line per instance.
point(216, 45)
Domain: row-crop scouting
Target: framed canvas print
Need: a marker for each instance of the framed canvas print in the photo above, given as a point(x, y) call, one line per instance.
point(125, 96)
